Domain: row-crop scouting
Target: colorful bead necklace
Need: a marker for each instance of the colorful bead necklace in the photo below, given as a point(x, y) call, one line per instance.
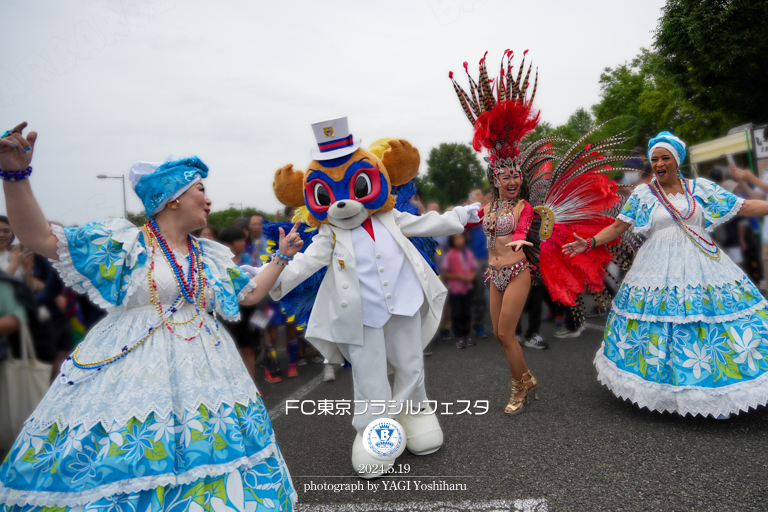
point(198, 300)
point(709, 248)
point(187, 285)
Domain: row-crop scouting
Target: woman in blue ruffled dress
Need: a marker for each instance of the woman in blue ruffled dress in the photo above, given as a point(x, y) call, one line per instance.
point(155, 409)
point(688, 330)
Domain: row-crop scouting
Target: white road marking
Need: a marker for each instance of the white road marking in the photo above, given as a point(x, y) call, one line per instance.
point(279, 409)
point(530, 505)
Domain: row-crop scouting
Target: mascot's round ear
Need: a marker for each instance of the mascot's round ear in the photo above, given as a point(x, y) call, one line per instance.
point(402, 161)
point(289, 186)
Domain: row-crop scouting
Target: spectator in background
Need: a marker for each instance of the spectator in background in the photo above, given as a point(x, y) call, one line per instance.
point(476, 242)
point(258, 244)
point(440, 251)
point(236, 239)
point(246, 336)
point(459, 271)
point(732, 236)
point(12, 316)
point(54, 335)
point(755, 188)
point(11, 257)
point(209, 232)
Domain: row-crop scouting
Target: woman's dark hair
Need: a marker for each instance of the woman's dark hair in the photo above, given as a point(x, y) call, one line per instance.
point(196, 233)
point(4, 220)
point(452, 240)
point(231, 234)
point(244, 224)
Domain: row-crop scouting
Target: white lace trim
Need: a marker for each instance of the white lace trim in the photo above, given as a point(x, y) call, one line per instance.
point(161, 412)
point(12, 497)
point(245, 291)
point(693, 318)
point(81, 284)
point(683, 400)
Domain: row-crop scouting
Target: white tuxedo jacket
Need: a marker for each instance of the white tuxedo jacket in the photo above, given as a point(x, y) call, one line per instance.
point(337, 315)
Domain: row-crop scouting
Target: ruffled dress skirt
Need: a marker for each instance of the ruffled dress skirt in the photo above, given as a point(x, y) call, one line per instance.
point(686, 334)
point(176, 425)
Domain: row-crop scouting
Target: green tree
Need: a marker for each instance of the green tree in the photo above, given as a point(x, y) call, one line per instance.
point(452, 171)
point(716, 52)
point(138, 219)
point(642, 99)
point(220, 219)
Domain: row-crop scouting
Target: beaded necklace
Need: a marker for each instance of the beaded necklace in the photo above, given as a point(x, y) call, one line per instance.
point(187, 286)
point(500, 208)
point(710, 249)
point(198, 300)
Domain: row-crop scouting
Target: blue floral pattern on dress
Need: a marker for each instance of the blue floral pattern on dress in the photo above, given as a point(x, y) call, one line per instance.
point(75, 460)
point(637, 211)
point(106, 254)
point(717, 202)
point(682, 354)
point(707, 301)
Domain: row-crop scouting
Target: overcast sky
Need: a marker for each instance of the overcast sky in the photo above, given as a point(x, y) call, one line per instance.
point(106, 83)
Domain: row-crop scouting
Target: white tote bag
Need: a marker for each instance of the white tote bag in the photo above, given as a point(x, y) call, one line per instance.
point(23, 383)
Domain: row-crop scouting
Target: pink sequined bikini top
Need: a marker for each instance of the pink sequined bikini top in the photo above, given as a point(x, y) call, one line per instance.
point(505, 224)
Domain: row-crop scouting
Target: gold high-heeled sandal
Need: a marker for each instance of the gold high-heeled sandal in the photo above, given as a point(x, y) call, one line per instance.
point(534, 384)
point(515, 405)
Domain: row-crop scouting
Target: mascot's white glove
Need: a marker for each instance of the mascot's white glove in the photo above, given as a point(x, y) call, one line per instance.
point(251, 271)
point(468, 213)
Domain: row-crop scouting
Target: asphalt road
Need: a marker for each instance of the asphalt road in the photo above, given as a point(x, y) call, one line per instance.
point(577, 448)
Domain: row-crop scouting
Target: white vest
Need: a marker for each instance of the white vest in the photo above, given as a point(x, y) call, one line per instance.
point(388, 284)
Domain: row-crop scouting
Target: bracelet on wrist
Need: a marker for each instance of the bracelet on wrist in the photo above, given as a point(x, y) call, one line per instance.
point(276, 256)
point(283, 256)
point(16, 175)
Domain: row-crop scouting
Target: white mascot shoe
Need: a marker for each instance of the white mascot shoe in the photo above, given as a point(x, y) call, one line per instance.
point(366, 466)
point(422, 431)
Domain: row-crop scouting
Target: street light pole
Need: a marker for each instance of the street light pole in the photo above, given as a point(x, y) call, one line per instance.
point(122, 181)
point(241, 208)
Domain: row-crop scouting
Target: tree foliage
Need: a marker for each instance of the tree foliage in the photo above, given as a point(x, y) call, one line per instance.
point(220, 219)
point(716, 53)
point(452, 171)
point(643, 99)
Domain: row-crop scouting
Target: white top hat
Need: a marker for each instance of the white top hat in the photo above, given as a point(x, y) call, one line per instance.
point(333, 139)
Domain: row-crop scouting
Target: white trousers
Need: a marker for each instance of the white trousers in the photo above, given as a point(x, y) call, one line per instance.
point(399, 343)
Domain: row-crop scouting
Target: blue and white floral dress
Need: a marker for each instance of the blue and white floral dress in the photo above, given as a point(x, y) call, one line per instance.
point(174, 425)
point(686, 333)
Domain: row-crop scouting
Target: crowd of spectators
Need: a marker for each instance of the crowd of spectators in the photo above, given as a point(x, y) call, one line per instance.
point(32, 293)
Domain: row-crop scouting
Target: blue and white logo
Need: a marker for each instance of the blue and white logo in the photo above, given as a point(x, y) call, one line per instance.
point(384, 439)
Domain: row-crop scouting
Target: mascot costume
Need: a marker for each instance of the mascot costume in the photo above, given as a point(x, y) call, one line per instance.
point(379, 302)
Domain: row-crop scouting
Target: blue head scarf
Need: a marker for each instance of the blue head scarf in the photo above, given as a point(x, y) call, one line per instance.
point(158, 184)
point(668, 141)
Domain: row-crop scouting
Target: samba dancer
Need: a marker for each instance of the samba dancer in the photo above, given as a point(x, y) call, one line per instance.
point(688, 330)
point(155, 409)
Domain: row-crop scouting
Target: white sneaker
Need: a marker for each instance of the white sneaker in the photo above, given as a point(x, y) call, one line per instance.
point(366, 466)
point(328, 373)
point(422, 432)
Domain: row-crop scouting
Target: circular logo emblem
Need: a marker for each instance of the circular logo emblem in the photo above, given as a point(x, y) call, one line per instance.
point(384, 439)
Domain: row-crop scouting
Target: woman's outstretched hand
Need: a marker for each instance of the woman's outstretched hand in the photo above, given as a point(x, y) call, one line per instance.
point(578, 246)
point(291, 243)
point(15, 150)
point(518, 244)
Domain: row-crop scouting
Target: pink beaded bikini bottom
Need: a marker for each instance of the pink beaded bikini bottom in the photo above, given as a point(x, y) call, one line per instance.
point(502, 277)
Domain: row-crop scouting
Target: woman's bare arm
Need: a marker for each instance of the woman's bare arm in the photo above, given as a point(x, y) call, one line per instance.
point(24, 213)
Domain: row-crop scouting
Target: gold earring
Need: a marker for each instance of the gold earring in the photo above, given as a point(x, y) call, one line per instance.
point(177, 204)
